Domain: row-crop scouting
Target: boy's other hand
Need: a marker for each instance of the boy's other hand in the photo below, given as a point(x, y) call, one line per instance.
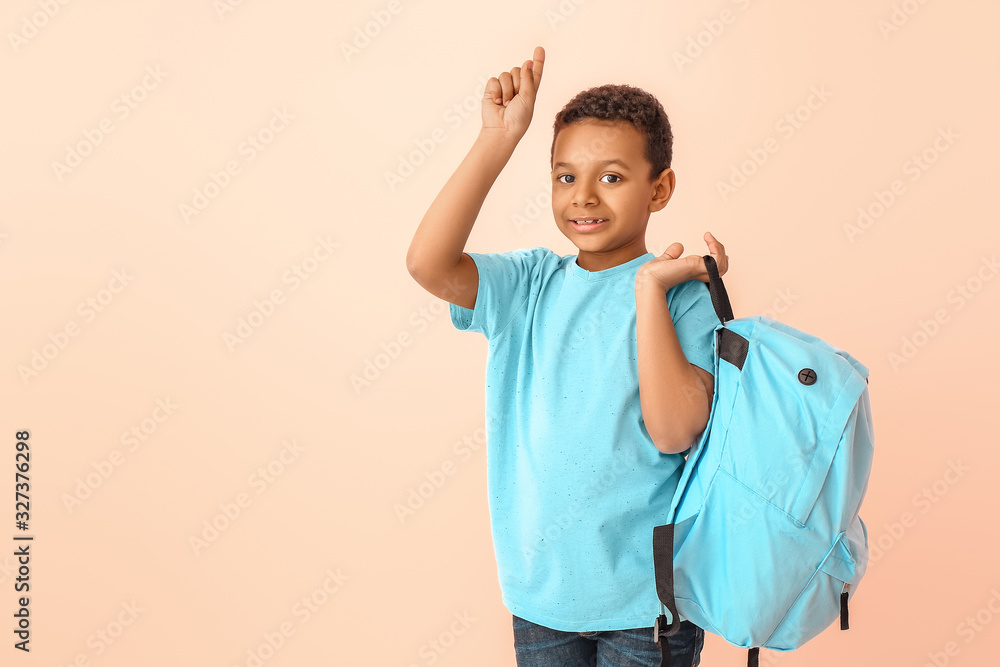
point(670, 269)
point(510, 99)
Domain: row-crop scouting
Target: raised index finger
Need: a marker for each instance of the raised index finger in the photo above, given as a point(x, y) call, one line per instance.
point(712, 241)
point(537, 64)
point(718, 251)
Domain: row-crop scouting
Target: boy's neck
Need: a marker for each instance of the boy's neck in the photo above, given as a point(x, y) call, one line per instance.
point(599, 261)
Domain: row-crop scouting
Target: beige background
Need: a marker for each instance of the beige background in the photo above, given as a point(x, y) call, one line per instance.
point(114, 516)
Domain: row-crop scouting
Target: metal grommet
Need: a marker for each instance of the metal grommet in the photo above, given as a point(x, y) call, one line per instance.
point(807, 376)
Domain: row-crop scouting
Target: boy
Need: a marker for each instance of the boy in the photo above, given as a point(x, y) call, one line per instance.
point(599, 375)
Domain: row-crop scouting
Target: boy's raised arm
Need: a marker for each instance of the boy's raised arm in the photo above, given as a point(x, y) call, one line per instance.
point(436, 257)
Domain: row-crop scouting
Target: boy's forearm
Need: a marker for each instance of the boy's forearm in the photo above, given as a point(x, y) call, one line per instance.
point(444, 230)
point(675, 403)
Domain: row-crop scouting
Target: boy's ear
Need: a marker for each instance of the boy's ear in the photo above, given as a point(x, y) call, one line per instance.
point(663, 188)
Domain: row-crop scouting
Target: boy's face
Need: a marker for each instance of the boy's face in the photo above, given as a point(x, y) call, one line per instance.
point(584, 185)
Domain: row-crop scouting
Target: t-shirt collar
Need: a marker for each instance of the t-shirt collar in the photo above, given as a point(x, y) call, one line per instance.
point(631, 265)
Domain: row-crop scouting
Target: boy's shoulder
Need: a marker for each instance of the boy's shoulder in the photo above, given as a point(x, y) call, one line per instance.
point(536, 252)
point(528, 259)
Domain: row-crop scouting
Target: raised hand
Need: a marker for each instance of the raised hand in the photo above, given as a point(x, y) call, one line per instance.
point(509, 99)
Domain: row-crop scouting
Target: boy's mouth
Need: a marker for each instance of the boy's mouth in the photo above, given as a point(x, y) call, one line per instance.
point(587, 224)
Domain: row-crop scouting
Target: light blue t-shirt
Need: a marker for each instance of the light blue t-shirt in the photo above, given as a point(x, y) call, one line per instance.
point(575, 483)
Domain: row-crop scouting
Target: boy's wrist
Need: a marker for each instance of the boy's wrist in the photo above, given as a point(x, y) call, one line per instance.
point(502, 139)
point(646, 281)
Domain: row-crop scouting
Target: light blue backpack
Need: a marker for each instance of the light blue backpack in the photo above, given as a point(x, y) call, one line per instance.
point(764, 546)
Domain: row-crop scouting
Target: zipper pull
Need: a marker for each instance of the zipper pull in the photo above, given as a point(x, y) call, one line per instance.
point(843, 605)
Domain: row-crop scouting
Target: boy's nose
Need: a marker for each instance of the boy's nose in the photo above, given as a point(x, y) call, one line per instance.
point(583, 194)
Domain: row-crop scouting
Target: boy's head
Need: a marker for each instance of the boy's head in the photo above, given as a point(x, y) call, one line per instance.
point(613, 103)
point(611, 153)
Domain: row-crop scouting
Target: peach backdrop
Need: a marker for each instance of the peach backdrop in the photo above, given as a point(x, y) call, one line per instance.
point(232, 384)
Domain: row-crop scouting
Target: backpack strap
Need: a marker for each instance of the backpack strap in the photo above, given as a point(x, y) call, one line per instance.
point(663, 566)
point(731, 346)
point(720, 298)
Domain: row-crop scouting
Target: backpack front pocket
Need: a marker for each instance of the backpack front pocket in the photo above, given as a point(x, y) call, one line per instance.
point(786, 460)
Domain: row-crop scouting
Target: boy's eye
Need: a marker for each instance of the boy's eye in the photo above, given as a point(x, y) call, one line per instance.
point(614, 176)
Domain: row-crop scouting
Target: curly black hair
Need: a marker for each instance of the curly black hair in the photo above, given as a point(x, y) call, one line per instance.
point(616, 102)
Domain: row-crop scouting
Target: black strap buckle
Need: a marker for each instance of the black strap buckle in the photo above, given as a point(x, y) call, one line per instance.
point(663, 629)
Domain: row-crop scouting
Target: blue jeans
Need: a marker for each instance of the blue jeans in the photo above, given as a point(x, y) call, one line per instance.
point(539, 646)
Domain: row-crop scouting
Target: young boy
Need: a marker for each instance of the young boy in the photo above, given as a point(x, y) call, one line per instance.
point(599, 375)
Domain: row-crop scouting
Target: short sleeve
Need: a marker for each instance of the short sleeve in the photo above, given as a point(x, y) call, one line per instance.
point(505, 283)
point(691, 310)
